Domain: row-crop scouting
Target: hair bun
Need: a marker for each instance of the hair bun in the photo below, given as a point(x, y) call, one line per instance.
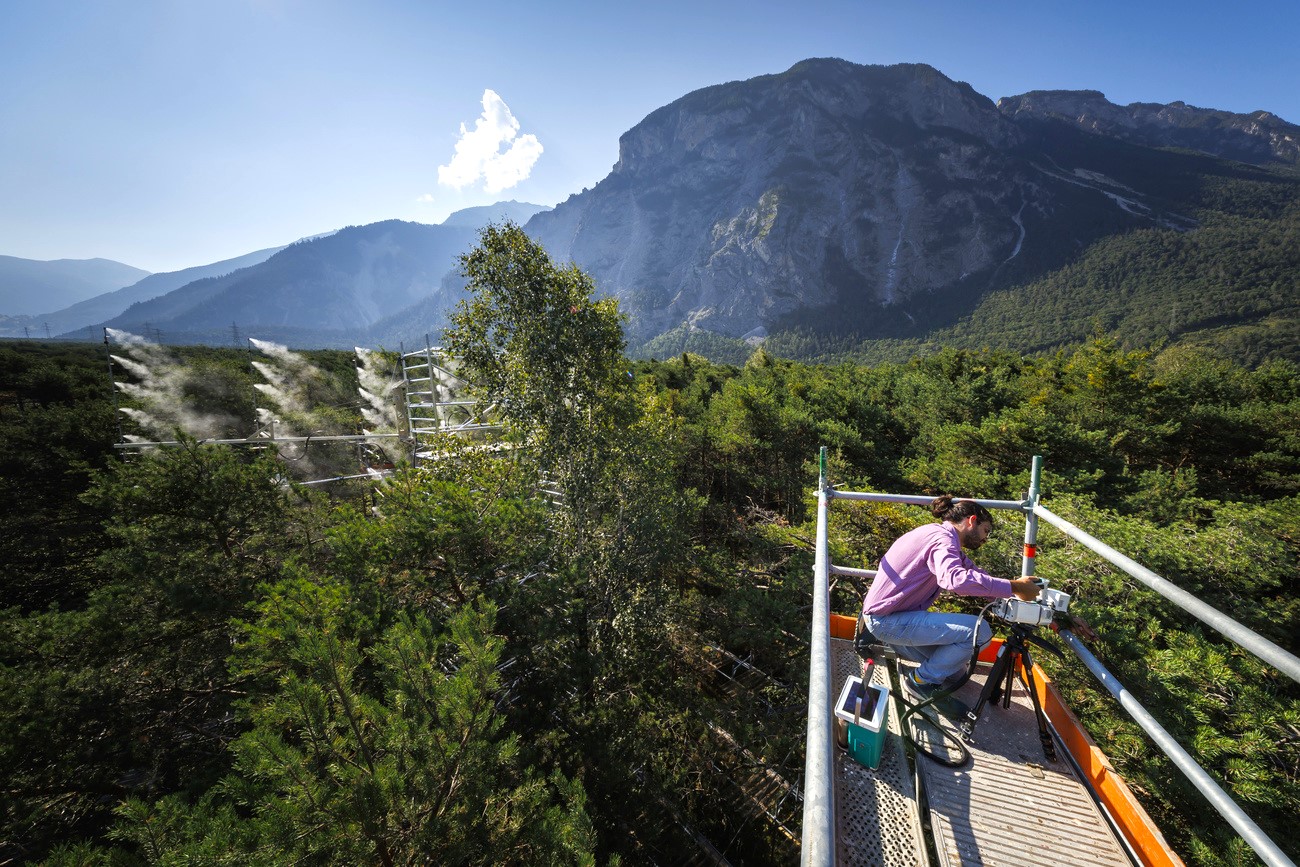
point(948, 508)
point(940, 506)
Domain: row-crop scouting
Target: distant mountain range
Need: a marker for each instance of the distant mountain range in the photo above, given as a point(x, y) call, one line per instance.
point(96, 310)
point(382, 283)
point(28, 286)
point(327, 291)
point(835, 209)
point(1259, 137)
point(323, 291)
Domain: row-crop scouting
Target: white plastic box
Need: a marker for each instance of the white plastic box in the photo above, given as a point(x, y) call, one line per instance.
point(861, 730)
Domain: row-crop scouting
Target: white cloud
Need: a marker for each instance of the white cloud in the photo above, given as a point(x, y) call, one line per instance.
point(426, 199)
point(479, 153)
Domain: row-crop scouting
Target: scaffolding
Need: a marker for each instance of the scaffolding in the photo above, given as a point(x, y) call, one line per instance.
point(822, 771)
point(434, 396)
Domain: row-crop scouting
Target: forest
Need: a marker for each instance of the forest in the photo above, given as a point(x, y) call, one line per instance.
point(1230, 287)
point(580, 639)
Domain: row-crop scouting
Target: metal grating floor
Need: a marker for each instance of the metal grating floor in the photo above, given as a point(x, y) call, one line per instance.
point(1008, 806)
point(877, 821)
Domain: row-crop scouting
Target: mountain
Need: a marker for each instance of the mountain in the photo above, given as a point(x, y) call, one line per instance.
point(321, 291)
point(844, 211)
point(864, 194)
point(865, 203)
point(422, 321)
point(380, 283)
point(29, 286)
point(477, 218)
point(85, 314)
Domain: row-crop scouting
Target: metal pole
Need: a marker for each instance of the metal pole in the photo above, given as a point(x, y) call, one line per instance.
point(248, 344)
point(1285, 662)
point(1265, 848)
point(818, 846)
point(253, 441)
point(1031, 520)
point(917, 500)
point(112, 384)
point(852, 572)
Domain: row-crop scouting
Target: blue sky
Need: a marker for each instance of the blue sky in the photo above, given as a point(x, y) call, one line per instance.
point(171, 133)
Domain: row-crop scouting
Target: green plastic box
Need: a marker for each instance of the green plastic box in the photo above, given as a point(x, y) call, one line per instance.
point(862, 728)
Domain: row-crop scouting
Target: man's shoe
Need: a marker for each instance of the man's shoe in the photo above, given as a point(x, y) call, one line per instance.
point(917, 689)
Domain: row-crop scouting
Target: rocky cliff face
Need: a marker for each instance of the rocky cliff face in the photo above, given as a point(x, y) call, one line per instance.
point(856, 201)
point(1259, 137)
point(833, 186)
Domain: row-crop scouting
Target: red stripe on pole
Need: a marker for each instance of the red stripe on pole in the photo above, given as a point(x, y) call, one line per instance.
point(1031, 550)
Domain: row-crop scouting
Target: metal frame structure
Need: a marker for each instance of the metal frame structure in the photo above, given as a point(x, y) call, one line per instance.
point(819, 845)
point(263, 436)
point(431, 406)
point(432, 399)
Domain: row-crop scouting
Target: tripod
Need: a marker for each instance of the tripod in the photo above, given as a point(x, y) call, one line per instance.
point(1015, 649)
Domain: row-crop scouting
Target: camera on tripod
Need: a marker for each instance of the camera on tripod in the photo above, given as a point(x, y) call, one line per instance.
point(1039, 612)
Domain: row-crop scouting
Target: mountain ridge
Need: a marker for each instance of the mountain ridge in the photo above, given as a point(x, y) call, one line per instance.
point(869, 191)
point(31, 286)
point(327, 290)
point(100, 308)
point(1257, 137)
point(836, 202)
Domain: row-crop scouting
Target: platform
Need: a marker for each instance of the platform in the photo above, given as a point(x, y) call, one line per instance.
point(1008, 806)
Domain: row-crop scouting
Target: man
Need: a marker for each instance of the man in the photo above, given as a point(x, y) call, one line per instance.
point(913, 571)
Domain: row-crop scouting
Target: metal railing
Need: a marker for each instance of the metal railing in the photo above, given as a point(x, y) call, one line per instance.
point(818, 837)
point(1261, 647)
point(819, 845)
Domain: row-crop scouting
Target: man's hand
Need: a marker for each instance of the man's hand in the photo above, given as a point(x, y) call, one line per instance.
point(1077, 625)
point(1025, 588)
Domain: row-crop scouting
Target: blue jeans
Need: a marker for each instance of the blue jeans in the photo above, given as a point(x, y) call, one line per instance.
point(941, 642)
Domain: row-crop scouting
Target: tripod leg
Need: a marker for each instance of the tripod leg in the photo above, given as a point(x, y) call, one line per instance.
point(1016, 656)
point(990, 693)
point(1044, 734)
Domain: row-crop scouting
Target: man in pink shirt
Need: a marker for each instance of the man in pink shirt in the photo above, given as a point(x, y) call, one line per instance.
point(913, 571)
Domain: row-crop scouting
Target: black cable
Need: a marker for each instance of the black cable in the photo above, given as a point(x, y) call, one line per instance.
point(910, 710)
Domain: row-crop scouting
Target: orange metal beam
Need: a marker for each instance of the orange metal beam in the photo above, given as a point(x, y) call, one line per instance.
point(1134, 822)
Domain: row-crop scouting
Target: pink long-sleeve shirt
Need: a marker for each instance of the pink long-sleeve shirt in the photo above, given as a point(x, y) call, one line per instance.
point(922, 562)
